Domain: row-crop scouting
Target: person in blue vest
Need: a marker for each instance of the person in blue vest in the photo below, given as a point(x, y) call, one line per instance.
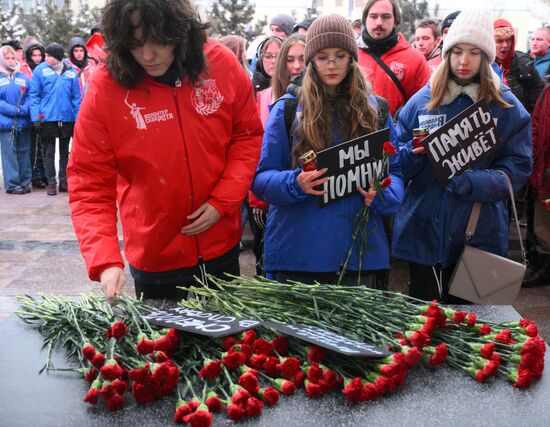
point(429, 229)
point(15, 137)
point(54, 104)
point(303, 241)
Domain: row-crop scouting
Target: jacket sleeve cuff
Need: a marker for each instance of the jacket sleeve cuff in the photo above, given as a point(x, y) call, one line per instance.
point(95, 272)
point(217, 205)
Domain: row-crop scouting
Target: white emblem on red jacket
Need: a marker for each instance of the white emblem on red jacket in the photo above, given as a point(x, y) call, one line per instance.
point(135, 111)
point(206, 98)
point(398, 69)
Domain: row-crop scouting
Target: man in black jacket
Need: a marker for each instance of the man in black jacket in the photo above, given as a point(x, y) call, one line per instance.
point(519, 72)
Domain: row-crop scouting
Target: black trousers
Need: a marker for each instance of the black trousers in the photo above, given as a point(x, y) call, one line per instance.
point(423, 283)
point(168, 284)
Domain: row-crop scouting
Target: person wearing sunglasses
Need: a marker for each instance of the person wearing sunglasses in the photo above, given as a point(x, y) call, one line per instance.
point(303, 241)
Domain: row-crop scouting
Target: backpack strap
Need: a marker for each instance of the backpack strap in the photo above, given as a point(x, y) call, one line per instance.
point(390, 74)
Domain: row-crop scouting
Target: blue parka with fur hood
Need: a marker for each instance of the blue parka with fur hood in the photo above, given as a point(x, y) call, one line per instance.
point(430, 225)
point(302, 237)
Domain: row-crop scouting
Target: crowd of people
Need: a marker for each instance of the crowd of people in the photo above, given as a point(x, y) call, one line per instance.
point(183, 137)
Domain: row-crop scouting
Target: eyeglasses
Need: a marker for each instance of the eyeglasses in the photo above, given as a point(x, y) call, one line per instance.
point(322, 62)
point(269, 57)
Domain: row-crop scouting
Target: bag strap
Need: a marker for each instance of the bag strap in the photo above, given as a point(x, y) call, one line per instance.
point(390, 74)
point(476, 210)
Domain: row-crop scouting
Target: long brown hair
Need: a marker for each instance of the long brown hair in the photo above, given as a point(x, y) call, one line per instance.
point(281, 79)
point(486, 92)
point(355, 113)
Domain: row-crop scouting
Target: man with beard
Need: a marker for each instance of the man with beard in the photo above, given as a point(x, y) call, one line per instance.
point(395, 69)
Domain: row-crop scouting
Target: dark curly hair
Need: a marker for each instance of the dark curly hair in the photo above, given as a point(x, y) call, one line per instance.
point(164, 22)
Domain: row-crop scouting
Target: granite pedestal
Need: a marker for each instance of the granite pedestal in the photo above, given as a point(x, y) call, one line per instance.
point(441, 396)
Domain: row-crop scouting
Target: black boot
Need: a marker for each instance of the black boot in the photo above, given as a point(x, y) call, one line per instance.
point(539, 273)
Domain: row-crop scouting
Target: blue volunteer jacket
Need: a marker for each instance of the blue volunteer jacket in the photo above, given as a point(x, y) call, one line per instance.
point(55, 96)
point(301, 236)
point(430, 225)
point(10, 91)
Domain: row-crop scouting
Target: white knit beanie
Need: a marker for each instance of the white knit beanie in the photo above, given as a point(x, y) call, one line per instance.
point(473, 26)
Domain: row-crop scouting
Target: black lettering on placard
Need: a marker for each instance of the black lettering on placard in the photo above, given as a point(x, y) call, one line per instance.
point(201, 322)
point(351, 165)
point(329, 340)
point(462, 142)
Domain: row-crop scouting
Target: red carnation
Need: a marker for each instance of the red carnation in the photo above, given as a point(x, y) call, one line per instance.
point(166, 376)
point(313, 389)
point(389, 148)
point(388, 370)
point(316, 353)
point(485, 329)
point(280, 344)
point(90, 375)
point(234, 359)
point(270, 366)
point(505, 336)
point(299, 379)
point(314, 372)
point(182, 409)
point(261, 346)
point(284, 386)
point(228, 342)
point(269, 395)
point(88, 351)
point(145, 345)
point(413, 355)
point(524, 378)
point(253, 407)
point(386, 182)
point(439, 356)
point(41, 116)
point(143, 392)
point(354, 390)
point(93, 393)
point(211, 370)
point(213, 402)
point(168, 343)
point(139, 374)
point(369, 393)
point(23, 89)
point(289, 366)
point(107, 391)
point(118, 329)
point(487, 350)
point(459, 316)
point(202, 417)
point(235, 412)
point(248, 337)
point(243, 348)
point(111, 370)
point(531, 330)
point(257, 361)
point(98, 360)
point(331, 378)
point(115, 403)
point(249, 382)
point(160, 356)
point(240, 395)
point(471, 319)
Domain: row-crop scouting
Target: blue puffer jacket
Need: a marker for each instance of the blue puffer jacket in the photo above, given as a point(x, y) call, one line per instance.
point(10, 91)
point(429, 228)
point(301, 236)
point(55, 96)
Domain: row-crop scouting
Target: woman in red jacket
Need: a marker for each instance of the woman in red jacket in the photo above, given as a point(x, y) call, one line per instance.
point(169, 132)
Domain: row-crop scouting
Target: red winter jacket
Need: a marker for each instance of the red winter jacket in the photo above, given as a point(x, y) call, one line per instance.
point(408, 64)
point(167, 150)
point(540, 179)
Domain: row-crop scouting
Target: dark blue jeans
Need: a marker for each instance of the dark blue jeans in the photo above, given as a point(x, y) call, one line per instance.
point(16, 163)
point(37, 156)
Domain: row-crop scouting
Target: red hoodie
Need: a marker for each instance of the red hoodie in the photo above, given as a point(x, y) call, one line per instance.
point(505, 65)
point(169, 150)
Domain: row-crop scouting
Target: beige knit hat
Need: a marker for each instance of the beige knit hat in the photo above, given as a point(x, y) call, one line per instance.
point(474, 26)
point(330, 31)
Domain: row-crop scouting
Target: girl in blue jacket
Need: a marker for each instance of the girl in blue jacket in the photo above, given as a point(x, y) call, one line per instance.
point(304, 242)
point(429, 229)
point(15, 137)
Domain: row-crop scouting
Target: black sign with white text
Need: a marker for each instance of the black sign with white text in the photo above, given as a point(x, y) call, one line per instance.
point(351, 165)
point(328, 340)
point(201, 322)
point(462, 142)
